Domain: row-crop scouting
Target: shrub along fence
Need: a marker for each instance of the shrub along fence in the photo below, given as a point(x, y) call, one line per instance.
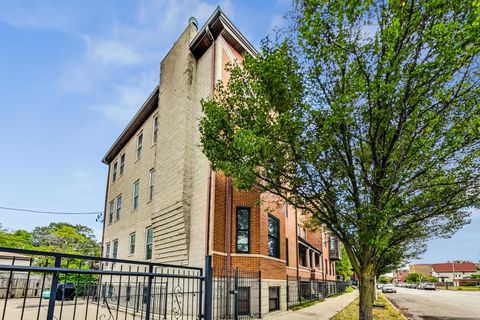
point(300, 290)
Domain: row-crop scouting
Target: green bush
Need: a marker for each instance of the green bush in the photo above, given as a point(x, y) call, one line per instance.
point(349, 289)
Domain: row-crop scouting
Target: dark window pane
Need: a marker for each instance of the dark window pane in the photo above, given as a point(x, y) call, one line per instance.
point(242, 241)
point(243, 230)
point(273, 237)
point(244, 300)
point(243, 219)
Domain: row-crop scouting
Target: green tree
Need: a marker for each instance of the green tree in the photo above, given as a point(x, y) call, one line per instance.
point(413, 277)
point(17, 239)
point(383, 279)
point(66, 238)
point(344, 267)
point(367, 118)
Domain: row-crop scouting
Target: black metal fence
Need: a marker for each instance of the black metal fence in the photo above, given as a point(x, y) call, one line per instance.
point(236, 292)
point(300, 290)
point(62, 286)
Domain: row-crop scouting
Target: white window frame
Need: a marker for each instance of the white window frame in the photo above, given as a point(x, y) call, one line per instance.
point(115, 253)
point(146, 243)
point(133, 236)
point(118, 211)
point(114, 171)
point(136, 183)
point(154, 129)
point(107, 252)
point(121, 166)
point(151, 181)
point(138, 150)
point(111, 211)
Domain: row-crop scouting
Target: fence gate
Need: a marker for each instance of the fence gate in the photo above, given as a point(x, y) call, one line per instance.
point(236, 294)
point(49, 285)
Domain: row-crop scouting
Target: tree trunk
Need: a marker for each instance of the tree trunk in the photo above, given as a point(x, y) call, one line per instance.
point(367, 292)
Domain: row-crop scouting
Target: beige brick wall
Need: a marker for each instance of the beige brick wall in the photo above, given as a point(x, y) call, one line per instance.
point(131, 220)
point(171, 214)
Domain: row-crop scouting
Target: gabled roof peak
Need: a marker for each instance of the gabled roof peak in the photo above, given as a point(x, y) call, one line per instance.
point(220, 24)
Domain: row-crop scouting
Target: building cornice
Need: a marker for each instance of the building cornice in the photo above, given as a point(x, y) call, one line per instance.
point(148, 107)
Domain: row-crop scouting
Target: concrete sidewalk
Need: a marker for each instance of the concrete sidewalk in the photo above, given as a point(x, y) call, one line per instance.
point(320, 311)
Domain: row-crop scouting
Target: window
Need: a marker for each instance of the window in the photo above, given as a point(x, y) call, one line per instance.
point(273, 237)
point(154, 129)
point(132, 243)
point(122, 164)
point(243, 230)
point(115, 249)
point(243, 300)
point(139, 145)
point(273, 298)
point(149, 244)
point(110, 211)
point(151, 181)
point(107, 250)
point(119, 207)
point(286, 249)
point(114, 172)
point(136, 189)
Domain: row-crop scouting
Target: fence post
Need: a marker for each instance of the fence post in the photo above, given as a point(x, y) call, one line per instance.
point(260, 294)
point(149, 293)
point(53, 289)
point(200, 297)
point(235, 292)
point(208, 288)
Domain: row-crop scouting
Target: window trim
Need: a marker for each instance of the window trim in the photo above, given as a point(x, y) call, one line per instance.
point(237, 229)
point(154, 129)
point(121, 165)
point(106, 254)
point(111, 211)
point(113, 249)
point(138, 195)
point(277, 238)
point(118, 211)
point(146, 243)
point(151, 181)
point(139, 148)
point(134, 236)
point(114, 171)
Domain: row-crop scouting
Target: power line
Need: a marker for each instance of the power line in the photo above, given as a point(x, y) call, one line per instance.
point(50, 212)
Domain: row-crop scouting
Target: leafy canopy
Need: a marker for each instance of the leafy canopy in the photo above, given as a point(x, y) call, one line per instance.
point(367, 117)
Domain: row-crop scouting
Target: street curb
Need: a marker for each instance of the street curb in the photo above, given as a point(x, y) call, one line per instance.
point(394, 307)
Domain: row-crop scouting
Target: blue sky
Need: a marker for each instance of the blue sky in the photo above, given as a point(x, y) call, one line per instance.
point(72, 74)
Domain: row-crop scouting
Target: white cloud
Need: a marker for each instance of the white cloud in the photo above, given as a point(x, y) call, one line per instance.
point(109, 51)
point(127, 98)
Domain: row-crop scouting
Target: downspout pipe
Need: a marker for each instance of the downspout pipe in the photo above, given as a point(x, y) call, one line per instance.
point(296, 240)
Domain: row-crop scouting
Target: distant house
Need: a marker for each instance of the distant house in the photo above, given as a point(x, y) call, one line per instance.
point(453, 271)
point(425, 269)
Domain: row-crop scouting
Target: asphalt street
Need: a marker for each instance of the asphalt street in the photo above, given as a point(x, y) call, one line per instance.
point(437, 305)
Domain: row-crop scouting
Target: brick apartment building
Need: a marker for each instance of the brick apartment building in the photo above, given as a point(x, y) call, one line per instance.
point(164, 203)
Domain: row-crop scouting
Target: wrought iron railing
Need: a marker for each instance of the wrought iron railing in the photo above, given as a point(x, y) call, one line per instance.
point(50, 285)
point(301, 290)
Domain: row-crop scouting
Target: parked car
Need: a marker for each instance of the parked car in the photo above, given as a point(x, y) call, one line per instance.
point(429, 286)
point(389, 288)
point(66, 291)
point(46, 294)
point(380, 285)
point(421, 286)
